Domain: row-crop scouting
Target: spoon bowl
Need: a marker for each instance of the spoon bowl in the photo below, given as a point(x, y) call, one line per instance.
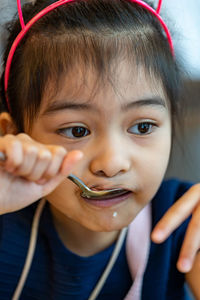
point(90, 194)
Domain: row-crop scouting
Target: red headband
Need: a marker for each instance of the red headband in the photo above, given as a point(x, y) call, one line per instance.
point(26, 27)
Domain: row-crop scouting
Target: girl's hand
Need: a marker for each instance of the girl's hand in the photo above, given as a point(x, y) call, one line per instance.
point(188, 204)
point(31, 170)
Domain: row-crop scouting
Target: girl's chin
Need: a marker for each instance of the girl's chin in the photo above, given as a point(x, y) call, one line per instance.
point(98, 215)
point(109, 222)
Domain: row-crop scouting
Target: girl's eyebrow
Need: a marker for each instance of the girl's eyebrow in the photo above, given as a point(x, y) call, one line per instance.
point(151, 101)
point(63, 104)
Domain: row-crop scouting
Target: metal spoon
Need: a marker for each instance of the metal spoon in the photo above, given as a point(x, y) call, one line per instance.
point(88, 193)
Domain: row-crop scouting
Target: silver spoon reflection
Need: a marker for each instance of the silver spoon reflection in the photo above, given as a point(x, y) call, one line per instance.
point(90, 194)
point(86, 191)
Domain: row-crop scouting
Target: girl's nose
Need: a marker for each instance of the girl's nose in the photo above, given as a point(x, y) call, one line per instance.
point(110, 160)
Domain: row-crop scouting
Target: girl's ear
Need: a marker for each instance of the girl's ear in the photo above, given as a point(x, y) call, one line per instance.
point(6, 124)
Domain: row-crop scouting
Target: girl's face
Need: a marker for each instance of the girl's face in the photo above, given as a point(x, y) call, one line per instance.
point(125, 135)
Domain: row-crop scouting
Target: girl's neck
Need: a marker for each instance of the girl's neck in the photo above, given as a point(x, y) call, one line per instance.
point(79, 239)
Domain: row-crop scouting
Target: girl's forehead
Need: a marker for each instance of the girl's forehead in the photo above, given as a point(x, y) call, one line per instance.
point(122, 83)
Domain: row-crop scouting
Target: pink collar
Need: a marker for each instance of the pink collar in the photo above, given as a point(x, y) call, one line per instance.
point(137, 248)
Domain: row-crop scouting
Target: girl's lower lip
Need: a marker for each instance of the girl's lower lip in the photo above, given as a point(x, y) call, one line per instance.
point(108, 202)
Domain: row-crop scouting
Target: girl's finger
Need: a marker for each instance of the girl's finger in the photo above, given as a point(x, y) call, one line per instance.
point(29, 160)
point(65, 166)
point(176, 214)
point(191, 243)
point(41, 165)
point(58, 154)
point(13, 152)
point(70, 160)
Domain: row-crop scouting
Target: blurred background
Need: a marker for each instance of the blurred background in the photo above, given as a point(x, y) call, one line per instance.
point(182, 16)
point(184, 22)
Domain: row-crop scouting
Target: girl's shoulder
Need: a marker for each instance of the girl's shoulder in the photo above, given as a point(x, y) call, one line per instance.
point(175, 187)
point(14, 240)
point(16, 225)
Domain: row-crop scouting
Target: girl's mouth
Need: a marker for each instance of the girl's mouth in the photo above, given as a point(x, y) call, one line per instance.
point(100, 197)
point(96, 193)
point(103, 194)
point(109, 200)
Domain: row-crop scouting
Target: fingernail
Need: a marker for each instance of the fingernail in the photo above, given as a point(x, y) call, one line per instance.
point(158, 235)
point(184, 264)
point(79, 154)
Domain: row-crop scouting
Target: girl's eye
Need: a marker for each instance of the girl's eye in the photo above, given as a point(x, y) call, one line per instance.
point(143, 128)
point(75, 132)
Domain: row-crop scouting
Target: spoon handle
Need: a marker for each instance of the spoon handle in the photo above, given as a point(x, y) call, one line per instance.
point(78, 182)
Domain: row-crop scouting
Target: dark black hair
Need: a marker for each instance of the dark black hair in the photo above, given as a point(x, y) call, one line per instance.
point(94, 33)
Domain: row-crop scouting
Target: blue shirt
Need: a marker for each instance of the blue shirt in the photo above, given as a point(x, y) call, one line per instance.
point(56, 273)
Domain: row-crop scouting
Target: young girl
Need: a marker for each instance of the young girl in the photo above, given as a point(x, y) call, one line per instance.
point(96, 80)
